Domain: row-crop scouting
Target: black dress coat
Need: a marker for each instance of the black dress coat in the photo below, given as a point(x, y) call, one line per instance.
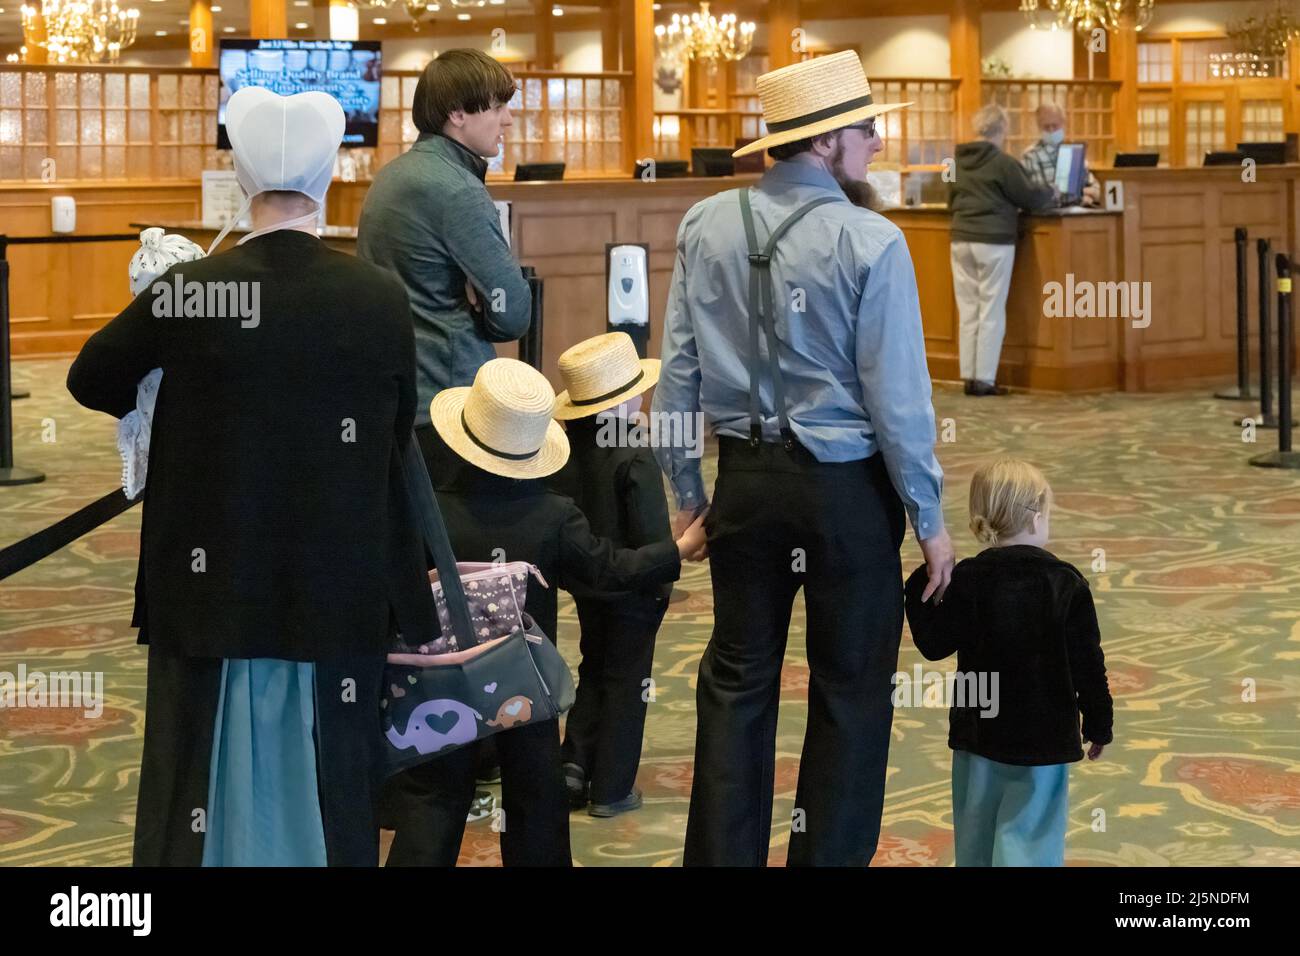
point(276, 523)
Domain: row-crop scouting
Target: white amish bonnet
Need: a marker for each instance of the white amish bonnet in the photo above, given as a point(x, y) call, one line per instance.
point(284, 142)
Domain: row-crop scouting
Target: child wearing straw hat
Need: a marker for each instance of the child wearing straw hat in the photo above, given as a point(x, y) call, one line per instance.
point(1022, 623)
point(495, 508)
point(621, 491)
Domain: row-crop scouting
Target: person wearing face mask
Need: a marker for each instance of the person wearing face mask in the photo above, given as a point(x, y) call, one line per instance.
point(1040, 159)
point(278, 552)
point(825, 441)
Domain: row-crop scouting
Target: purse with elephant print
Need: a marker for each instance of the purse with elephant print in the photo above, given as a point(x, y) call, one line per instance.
point(489, 670)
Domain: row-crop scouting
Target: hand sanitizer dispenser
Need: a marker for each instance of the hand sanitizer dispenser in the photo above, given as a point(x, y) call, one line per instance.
point(629, 293)
point(63, 214)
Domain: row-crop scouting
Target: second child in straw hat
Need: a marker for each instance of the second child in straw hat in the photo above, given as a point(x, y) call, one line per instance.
point(621, 491)
point(495, 508)
point(1017, 613)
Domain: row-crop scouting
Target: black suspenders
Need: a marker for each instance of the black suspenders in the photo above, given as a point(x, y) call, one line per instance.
point(761, 312)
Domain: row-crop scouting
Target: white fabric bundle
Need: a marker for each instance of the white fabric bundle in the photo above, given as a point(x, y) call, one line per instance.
point(158, 252)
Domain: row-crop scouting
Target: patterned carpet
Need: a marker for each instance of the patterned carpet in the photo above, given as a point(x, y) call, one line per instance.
point(1199, 596)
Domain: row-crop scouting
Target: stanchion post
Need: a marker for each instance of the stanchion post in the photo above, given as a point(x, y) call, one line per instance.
point(10, 474)
point(1242, 391)
point(1284, 457)
point(1265, 418)
point(1264, 249)
point(1284, 319)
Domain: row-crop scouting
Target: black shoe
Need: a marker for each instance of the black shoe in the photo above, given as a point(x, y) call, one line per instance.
point(987, 388)
point(488, 775)
point(575, 782)
point(631, 802)
point(970, 386)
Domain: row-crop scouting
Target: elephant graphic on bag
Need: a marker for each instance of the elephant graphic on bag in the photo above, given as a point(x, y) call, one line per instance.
point(516, 710)
point(435, 725)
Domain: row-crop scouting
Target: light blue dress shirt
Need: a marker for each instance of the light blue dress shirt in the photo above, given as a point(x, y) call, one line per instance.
point(848, 319)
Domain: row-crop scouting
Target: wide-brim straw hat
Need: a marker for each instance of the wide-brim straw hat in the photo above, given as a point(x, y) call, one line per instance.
point(812, 97)
point(502, 423)
point(602, 372)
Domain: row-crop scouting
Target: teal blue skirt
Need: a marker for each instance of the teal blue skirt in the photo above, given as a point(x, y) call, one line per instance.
point(263, 802)
point(1006, 815)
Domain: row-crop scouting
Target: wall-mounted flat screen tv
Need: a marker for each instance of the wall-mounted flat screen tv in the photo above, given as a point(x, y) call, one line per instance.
point(348, 70)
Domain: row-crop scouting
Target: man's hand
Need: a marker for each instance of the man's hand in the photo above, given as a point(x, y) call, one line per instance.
point(939, 561)
point(1092, 194)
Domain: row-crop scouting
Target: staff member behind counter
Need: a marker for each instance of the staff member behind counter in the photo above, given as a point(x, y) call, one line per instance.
point(1040, 159)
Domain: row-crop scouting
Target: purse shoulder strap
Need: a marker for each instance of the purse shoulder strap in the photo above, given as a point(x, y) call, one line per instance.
point(434, 532)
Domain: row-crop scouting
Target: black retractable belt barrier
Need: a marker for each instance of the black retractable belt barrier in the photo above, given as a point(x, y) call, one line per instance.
point(61, 534)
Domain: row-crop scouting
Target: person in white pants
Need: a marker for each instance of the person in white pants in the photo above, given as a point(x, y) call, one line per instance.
point(986, 197)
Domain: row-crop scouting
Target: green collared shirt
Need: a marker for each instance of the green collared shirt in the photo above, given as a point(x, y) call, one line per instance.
point(429, 219)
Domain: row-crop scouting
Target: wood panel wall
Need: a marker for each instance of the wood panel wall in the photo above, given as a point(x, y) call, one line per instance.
point(1055, 354)
point(1178, 235)
point(60, 294)
point(1175, 232)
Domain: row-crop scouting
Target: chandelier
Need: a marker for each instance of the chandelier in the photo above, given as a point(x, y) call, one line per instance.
point(1085, 15)
point(81, 31)
point(702, 36)
point(1263, 36)
point(418, 8)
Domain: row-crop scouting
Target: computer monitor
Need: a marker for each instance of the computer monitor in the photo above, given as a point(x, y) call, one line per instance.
point(533, 172)
point(1224, 158)
point(1264, 154)
point(713, 161)
point(1069, 173)
point(1136, 159)
point(666, 168)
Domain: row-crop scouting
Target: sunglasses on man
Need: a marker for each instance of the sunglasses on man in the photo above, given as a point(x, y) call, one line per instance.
point(868, 127)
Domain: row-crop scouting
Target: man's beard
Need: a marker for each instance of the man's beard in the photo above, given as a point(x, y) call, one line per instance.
point(836, 163)
point(860, 192)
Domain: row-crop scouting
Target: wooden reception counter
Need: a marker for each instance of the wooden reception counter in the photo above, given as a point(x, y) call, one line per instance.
point(1174, 232)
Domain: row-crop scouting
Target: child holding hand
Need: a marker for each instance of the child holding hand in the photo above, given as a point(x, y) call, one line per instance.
point(1016, 611)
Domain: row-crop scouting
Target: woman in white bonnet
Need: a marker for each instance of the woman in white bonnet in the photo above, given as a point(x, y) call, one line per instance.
point(278, 553)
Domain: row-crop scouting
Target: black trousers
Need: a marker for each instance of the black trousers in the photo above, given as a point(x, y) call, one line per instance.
point(605, 726)
point(427, 805)
point(780, 520)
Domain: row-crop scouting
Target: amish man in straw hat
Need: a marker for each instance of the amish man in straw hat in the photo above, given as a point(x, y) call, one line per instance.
point(793, 324)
